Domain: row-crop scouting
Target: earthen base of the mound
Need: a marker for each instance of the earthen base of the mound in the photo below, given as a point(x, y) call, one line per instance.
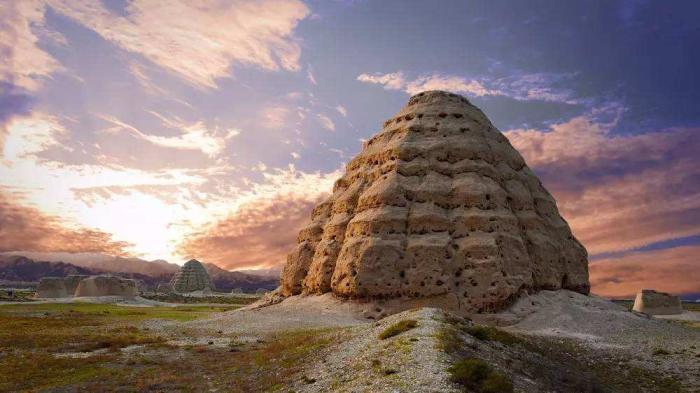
point(377, 308)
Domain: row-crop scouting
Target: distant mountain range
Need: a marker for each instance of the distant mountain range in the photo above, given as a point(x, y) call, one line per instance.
point(22, 268)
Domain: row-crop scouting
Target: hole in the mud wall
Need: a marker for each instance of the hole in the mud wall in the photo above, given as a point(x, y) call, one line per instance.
point(354, 272)
point(439, 282)
point(402, 274)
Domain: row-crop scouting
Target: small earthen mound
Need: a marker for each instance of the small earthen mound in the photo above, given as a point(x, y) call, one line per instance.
point(52, 287)
point(437, 210)
point(106, 286)
point(191, 277)
point(650, 302)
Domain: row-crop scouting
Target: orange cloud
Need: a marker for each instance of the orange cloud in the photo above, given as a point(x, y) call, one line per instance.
point(263, 222)
point(24, 228)
point(259, 234)
point(618, 192)
point(674, 270)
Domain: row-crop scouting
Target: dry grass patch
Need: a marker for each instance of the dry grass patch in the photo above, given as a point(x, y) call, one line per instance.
point(488, 333)
point(398, 328)
point(475, 375)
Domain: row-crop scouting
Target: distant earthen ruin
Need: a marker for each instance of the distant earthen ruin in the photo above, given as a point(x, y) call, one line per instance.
point(438, 209)
point(191, 277)
point(650, 302)
point(107, 286)
point(80, 285)
point(58, 287)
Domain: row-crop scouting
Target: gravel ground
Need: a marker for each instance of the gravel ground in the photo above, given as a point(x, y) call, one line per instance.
point(602, 325)
point(295, 313)
point(411, 361)
point(408, 362)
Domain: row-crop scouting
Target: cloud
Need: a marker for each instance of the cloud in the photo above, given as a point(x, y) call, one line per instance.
point(275, 117)
point(393, 81)
point(618, 192)
point(341, 109)
point(194, 136)
point(199, 41)
point(25, 228)
point(521, 86)
point(673, 270)
point(29, 135)
point(325, 122)
point(12, 103)
point(310, 75)
point(22, 62)
point(262, 229)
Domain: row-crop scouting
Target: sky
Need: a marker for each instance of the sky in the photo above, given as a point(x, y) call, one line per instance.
point(176, 129)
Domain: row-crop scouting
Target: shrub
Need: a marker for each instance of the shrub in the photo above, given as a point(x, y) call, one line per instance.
point(496, 383)
point(487, 333)
point(477, 375)
point(398, 328)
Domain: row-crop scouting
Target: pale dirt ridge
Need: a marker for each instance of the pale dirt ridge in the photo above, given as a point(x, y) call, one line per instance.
point(440, 208)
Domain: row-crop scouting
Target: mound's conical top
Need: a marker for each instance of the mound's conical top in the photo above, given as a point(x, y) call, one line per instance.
point(440, 208)
point(191, 277)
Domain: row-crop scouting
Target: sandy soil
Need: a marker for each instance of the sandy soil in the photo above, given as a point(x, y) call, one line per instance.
point(292, 314)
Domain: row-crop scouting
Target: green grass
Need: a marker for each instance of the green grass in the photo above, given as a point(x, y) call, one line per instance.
point(36, 338)
point(398, 328)
point(180, 313)
point(176, 298)
point(475, 375)
point(18, 296)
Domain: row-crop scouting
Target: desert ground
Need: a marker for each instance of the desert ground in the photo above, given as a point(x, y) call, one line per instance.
point(554, 341)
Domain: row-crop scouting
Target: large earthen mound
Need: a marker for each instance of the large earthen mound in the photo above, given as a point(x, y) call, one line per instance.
point(651, 302)
point(106, 286)
point(437, 209)
point(191, 277)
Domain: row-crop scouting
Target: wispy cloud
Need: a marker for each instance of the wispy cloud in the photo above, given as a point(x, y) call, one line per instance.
point(22, 62)
point(325, 122)
point(341, 109)
point(673, 270)
point(310, 75)
point(194, 136)
point(199, 41)
point(29, 135)
point(522, 86)
point(276, 116)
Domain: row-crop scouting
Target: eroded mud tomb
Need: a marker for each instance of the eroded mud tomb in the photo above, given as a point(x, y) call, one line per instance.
point(439, 208)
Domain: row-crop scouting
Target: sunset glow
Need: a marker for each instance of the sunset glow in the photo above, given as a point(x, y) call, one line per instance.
point(210, 129)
